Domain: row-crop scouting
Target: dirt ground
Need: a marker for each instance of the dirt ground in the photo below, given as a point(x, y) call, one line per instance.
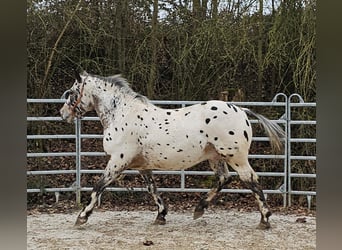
point(217, 229)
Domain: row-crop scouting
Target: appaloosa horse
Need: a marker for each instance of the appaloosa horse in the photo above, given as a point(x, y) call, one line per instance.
point(140, 135)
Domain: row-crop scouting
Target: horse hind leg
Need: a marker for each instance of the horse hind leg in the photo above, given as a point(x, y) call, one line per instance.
point(152, 189)
point(221, 170)
point(263, 207)
point(250, 180)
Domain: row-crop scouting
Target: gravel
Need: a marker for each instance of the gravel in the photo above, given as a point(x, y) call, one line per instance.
point(217, 229)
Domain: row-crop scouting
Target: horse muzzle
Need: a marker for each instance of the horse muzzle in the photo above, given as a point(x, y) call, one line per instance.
point(67, 114)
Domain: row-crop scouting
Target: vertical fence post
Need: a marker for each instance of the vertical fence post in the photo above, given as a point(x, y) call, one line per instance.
point(284, 117)
point(182, 171)
point(289, 144)
point(288, 147)
point(78, 160)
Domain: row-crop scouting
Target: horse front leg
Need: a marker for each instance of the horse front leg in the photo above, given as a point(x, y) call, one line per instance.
point(152, 189)
point(221, 170)
point(107, 178)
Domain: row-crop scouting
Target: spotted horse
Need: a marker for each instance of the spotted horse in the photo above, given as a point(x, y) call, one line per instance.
point(139, 135)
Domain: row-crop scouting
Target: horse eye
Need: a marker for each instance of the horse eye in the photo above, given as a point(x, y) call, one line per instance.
point(66, 94)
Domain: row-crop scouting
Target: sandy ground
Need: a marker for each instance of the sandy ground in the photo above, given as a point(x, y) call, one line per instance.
point(217, 229)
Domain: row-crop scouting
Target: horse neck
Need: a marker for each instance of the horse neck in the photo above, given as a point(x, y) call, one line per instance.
point(109, 103)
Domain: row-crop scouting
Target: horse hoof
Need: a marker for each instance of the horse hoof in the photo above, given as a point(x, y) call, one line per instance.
point(264, 225)
point(198, 214)
point(159, 222)
point(268, 214)
point(81, 221)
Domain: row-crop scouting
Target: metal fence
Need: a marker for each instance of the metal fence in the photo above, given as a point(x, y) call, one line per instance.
point(288, 171)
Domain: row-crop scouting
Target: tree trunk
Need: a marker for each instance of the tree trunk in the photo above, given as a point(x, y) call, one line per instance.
point(196, 8)
point(214, 9)
point(204, 9)
point(153, 70)
point(260, 48)
point(120, 36)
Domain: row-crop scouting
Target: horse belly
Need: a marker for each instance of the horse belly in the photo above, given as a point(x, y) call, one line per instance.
point(176, 160)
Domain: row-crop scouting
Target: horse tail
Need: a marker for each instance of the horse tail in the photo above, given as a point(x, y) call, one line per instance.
point(273, 130)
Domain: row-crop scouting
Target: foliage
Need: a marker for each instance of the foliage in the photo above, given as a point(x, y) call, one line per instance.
point(193, 51)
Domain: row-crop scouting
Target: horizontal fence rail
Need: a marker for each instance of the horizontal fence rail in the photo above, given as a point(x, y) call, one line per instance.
point(289, 159)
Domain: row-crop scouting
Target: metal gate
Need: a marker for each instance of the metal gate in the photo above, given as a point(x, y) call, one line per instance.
point(287, 170)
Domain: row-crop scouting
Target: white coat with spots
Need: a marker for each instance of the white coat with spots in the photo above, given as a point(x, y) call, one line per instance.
point(140, 135)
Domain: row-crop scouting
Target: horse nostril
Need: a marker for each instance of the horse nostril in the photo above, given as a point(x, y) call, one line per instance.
point(63, 113)
point(63, 116)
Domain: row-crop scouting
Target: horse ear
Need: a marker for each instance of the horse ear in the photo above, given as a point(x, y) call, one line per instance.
point(78, 77)
point(85, 73)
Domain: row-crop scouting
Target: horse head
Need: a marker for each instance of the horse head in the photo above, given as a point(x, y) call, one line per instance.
point(77, 103)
